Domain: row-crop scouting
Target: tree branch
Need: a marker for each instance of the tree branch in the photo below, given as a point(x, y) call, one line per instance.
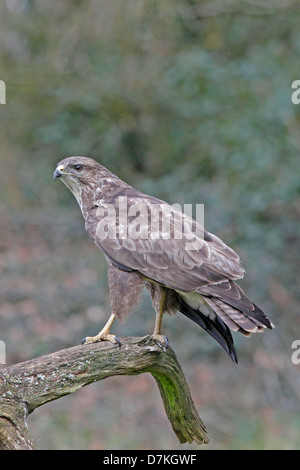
point(28, 385)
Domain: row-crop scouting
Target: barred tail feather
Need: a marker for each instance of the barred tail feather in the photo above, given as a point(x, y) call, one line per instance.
point(235, 319)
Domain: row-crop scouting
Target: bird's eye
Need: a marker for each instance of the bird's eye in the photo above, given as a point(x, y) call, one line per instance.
point(77, 167)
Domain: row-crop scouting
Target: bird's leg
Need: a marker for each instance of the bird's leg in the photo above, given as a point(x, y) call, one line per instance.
point(158, 320)
point(104, 334)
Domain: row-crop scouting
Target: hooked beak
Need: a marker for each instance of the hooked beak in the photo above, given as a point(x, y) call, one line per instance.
point(58, 172)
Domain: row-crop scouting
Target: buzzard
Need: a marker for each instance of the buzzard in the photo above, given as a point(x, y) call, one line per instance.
point(148, 242)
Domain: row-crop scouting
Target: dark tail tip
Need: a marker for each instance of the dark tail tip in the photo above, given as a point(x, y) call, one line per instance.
point(217, 329)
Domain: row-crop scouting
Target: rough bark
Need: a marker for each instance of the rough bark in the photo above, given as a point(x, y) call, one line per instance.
point(28, 385)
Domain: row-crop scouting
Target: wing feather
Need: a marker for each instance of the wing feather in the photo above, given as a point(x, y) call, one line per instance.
point(195, 259)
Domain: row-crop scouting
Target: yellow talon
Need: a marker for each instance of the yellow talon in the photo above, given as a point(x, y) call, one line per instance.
point(104, 334)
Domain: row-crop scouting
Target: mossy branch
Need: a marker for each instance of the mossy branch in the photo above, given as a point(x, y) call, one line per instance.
point(28, 385)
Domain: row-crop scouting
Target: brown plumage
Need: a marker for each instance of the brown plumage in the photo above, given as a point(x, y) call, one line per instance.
point(148, 242)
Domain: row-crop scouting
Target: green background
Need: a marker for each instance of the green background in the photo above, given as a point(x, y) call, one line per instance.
point(189, 101)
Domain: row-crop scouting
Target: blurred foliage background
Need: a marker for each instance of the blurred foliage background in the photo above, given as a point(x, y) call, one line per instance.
point(189, 101)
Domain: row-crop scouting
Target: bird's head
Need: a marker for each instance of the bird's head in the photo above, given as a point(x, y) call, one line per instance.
point(78, 173)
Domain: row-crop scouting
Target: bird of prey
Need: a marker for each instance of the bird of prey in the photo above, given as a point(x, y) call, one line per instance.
point(191, 271)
